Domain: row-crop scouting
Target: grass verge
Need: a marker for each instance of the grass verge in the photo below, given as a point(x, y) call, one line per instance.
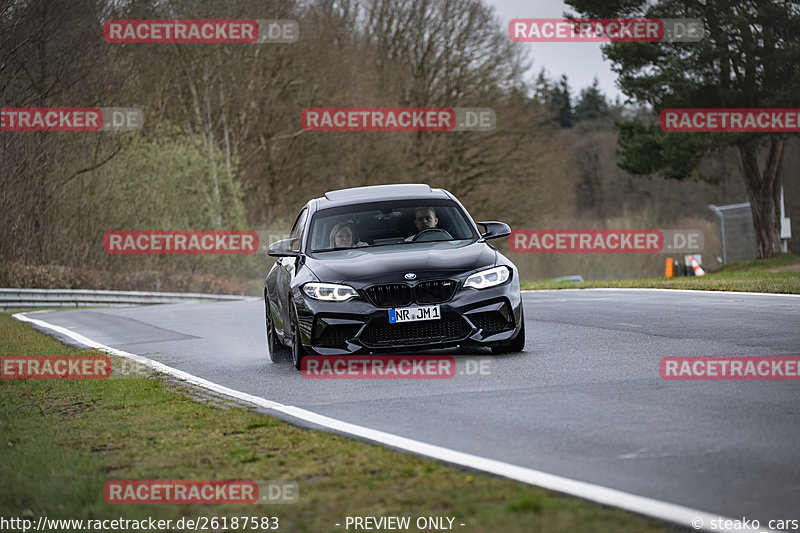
point(63, 439)
point(780, 274)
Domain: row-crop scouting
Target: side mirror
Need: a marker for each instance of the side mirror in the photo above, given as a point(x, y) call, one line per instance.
point(283, 248)
point(494, 230)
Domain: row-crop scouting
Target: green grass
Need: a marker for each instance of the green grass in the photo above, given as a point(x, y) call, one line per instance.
point(63, 439)
point(780, 274)
point(781, 262)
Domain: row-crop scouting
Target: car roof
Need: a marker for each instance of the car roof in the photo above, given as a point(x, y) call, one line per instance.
point(360, 195)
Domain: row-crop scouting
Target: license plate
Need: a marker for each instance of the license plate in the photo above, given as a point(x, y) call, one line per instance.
point(414, 314)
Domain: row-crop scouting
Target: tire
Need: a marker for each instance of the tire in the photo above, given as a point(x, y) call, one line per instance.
point(275, 348)
point(517, 344)
point(297, 346)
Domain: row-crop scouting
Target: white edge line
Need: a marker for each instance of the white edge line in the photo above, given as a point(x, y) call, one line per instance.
point(668, 512)
point(667, 290)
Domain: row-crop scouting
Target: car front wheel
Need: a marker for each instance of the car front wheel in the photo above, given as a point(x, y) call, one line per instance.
point(517, 344)
point(297, 346)
point(274, 346)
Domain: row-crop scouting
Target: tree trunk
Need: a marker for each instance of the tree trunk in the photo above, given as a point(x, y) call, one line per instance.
point(762, 191)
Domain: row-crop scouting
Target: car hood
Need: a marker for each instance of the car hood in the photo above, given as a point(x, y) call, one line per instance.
point(389, 264)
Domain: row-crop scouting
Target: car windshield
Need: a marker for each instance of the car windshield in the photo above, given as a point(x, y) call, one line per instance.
point(395, 223)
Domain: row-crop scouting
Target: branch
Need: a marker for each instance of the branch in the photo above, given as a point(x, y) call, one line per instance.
point(95, 166)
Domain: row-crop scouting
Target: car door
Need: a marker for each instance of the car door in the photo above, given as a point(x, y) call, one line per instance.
point(287, 268)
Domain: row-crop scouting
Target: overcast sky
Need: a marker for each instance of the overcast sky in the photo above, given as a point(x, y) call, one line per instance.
point(581, 62)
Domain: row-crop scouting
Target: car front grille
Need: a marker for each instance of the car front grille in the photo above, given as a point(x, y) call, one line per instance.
point(401, 294)
point(434, 292)
point(381, 333)
point(390, 295)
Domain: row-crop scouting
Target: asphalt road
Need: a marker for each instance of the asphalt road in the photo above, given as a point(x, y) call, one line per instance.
point(585, 401)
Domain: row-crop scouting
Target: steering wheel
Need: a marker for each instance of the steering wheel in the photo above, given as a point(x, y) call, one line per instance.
point(430, 231)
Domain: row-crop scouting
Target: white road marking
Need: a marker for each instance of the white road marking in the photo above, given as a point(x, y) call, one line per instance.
point(691, 291)
point(668, 512)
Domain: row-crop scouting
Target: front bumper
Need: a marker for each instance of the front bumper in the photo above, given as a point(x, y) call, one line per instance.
point(472, 317)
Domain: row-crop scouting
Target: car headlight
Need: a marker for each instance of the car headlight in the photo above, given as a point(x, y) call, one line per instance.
point(488, 278)
point(330, 292)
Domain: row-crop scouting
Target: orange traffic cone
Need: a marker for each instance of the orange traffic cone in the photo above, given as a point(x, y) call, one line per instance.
point(698, 271)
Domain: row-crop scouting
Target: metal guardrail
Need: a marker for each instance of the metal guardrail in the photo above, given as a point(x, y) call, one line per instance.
point(576, 278)
point(37, 298)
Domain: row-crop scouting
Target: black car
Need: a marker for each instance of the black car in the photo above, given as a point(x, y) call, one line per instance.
point(390, 268)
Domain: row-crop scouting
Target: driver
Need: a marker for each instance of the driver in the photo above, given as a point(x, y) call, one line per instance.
point(424, 218)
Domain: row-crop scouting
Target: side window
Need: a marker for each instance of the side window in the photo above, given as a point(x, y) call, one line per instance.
point(299, 227)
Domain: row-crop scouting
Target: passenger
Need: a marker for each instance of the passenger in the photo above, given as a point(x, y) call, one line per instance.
point(342, 236)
